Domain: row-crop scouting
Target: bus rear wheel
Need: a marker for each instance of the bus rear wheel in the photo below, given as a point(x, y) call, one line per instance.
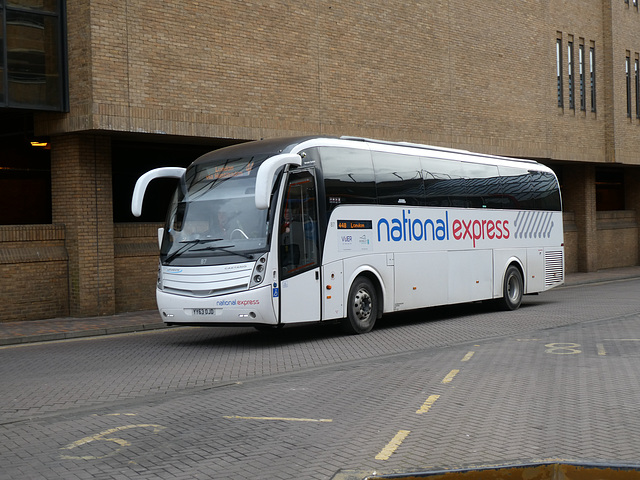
point(512, 289)
point(362, 307)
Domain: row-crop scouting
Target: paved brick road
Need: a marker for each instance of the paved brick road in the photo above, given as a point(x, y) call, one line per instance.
point(556, 379)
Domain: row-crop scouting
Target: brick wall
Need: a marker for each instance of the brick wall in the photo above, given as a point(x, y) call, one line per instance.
point(136, 266)
point(575, 134)
point(33, 272)
point(625, 40)
point(34, 268)
point(479, 76)
point(579, 199)
point(617, 239)
point(570, 242)
point(81, 200)
point(632, 193)
point(429, 72)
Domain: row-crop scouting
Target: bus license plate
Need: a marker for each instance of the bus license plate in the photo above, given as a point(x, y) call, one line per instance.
point(204, 311)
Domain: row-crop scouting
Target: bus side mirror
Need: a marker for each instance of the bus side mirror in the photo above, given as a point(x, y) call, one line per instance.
point(160, 235)
point(143, 182)
point(266, 173)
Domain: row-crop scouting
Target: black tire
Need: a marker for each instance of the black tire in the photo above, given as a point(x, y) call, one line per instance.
point(362, 307)
point(512, 289)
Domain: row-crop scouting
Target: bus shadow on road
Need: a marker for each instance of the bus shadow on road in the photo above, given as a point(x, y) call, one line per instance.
point(451, 312)
point(250, 337)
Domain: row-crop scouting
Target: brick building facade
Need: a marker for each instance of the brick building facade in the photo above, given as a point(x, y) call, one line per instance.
point(538, 78)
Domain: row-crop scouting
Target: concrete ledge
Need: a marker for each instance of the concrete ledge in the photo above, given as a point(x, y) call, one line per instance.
point(48, 337)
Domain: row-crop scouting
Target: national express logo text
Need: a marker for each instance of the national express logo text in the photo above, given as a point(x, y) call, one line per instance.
point(407, 229)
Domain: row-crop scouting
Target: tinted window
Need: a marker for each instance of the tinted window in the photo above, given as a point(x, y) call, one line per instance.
point(410, 180)
point(530, 190)
point(348, 176)
point(547, 194)
point(444, 183)
point(516, 187)
point(482, 185)
point(398, 179)
point(32, 62)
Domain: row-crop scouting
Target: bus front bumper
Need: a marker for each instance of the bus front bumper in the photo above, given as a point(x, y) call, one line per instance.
point(243, 308)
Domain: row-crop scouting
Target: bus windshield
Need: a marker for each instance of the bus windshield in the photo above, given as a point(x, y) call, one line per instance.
point(212, 217)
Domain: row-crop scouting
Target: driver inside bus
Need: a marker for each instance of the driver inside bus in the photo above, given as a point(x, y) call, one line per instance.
point(223, 224)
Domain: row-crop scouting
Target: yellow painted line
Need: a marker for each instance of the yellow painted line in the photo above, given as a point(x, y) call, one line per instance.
point(284, 419)
point(450, 376)
point(115, 414)
point(601, 350)
point(467, 357)
point(393, 445)
point(428, 403)
point(102, 436)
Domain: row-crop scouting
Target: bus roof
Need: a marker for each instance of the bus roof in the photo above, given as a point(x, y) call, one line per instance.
point(436, 149)
point(275, 146)
point(272, 146)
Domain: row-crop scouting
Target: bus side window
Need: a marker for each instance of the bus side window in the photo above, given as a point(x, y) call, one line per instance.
point(348, 176)
point(516, 186)
point(483, 186)
point(444, 183)
point(398, 179)
point(547, 193)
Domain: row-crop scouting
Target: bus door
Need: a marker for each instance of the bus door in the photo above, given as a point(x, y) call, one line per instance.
point(298, 249)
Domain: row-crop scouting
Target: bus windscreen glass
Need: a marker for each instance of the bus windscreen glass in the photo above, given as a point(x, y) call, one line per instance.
point(212, 217)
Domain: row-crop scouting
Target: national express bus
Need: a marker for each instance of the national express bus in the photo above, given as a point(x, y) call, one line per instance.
point(318, 229)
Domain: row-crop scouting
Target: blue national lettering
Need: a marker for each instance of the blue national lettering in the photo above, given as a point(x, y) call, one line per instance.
point(407, 229)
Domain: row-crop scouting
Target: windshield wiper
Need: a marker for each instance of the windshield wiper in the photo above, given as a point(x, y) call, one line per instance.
point(225, 248)
point(188, 244)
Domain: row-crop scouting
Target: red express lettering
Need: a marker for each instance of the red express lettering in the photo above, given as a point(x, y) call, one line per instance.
point(248, 302)
point(480, 229)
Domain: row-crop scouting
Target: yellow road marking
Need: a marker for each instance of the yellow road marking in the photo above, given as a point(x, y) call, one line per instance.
point(115, 414)
point(428, 403)
point(601, 350)
point(393, 445)
point(102, 436)
point(450, 376)
point(285, 419)
point(467, 357)
point(562, 348)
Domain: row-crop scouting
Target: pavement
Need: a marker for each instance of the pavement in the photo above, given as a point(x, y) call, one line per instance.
point(15, 333)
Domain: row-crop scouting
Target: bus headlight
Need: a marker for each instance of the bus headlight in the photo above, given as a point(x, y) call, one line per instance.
point(257, 276)
point(159, 282)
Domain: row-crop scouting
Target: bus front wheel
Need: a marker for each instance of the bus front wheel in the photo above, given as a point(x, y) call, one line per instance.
point(513, 289)
point(362, 307)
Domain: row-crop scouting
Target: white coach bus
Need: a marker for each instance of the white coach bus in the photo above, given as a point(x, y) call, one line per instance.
point(317, 229)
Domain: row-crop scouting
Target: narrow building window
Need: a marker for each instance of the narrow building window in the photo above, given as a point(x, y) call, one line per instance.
point(637, 89)
point(33, 63)
point(627, 66)
point(559, 70)
point(592, 76)
point(583, 100)
point(571, 75)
